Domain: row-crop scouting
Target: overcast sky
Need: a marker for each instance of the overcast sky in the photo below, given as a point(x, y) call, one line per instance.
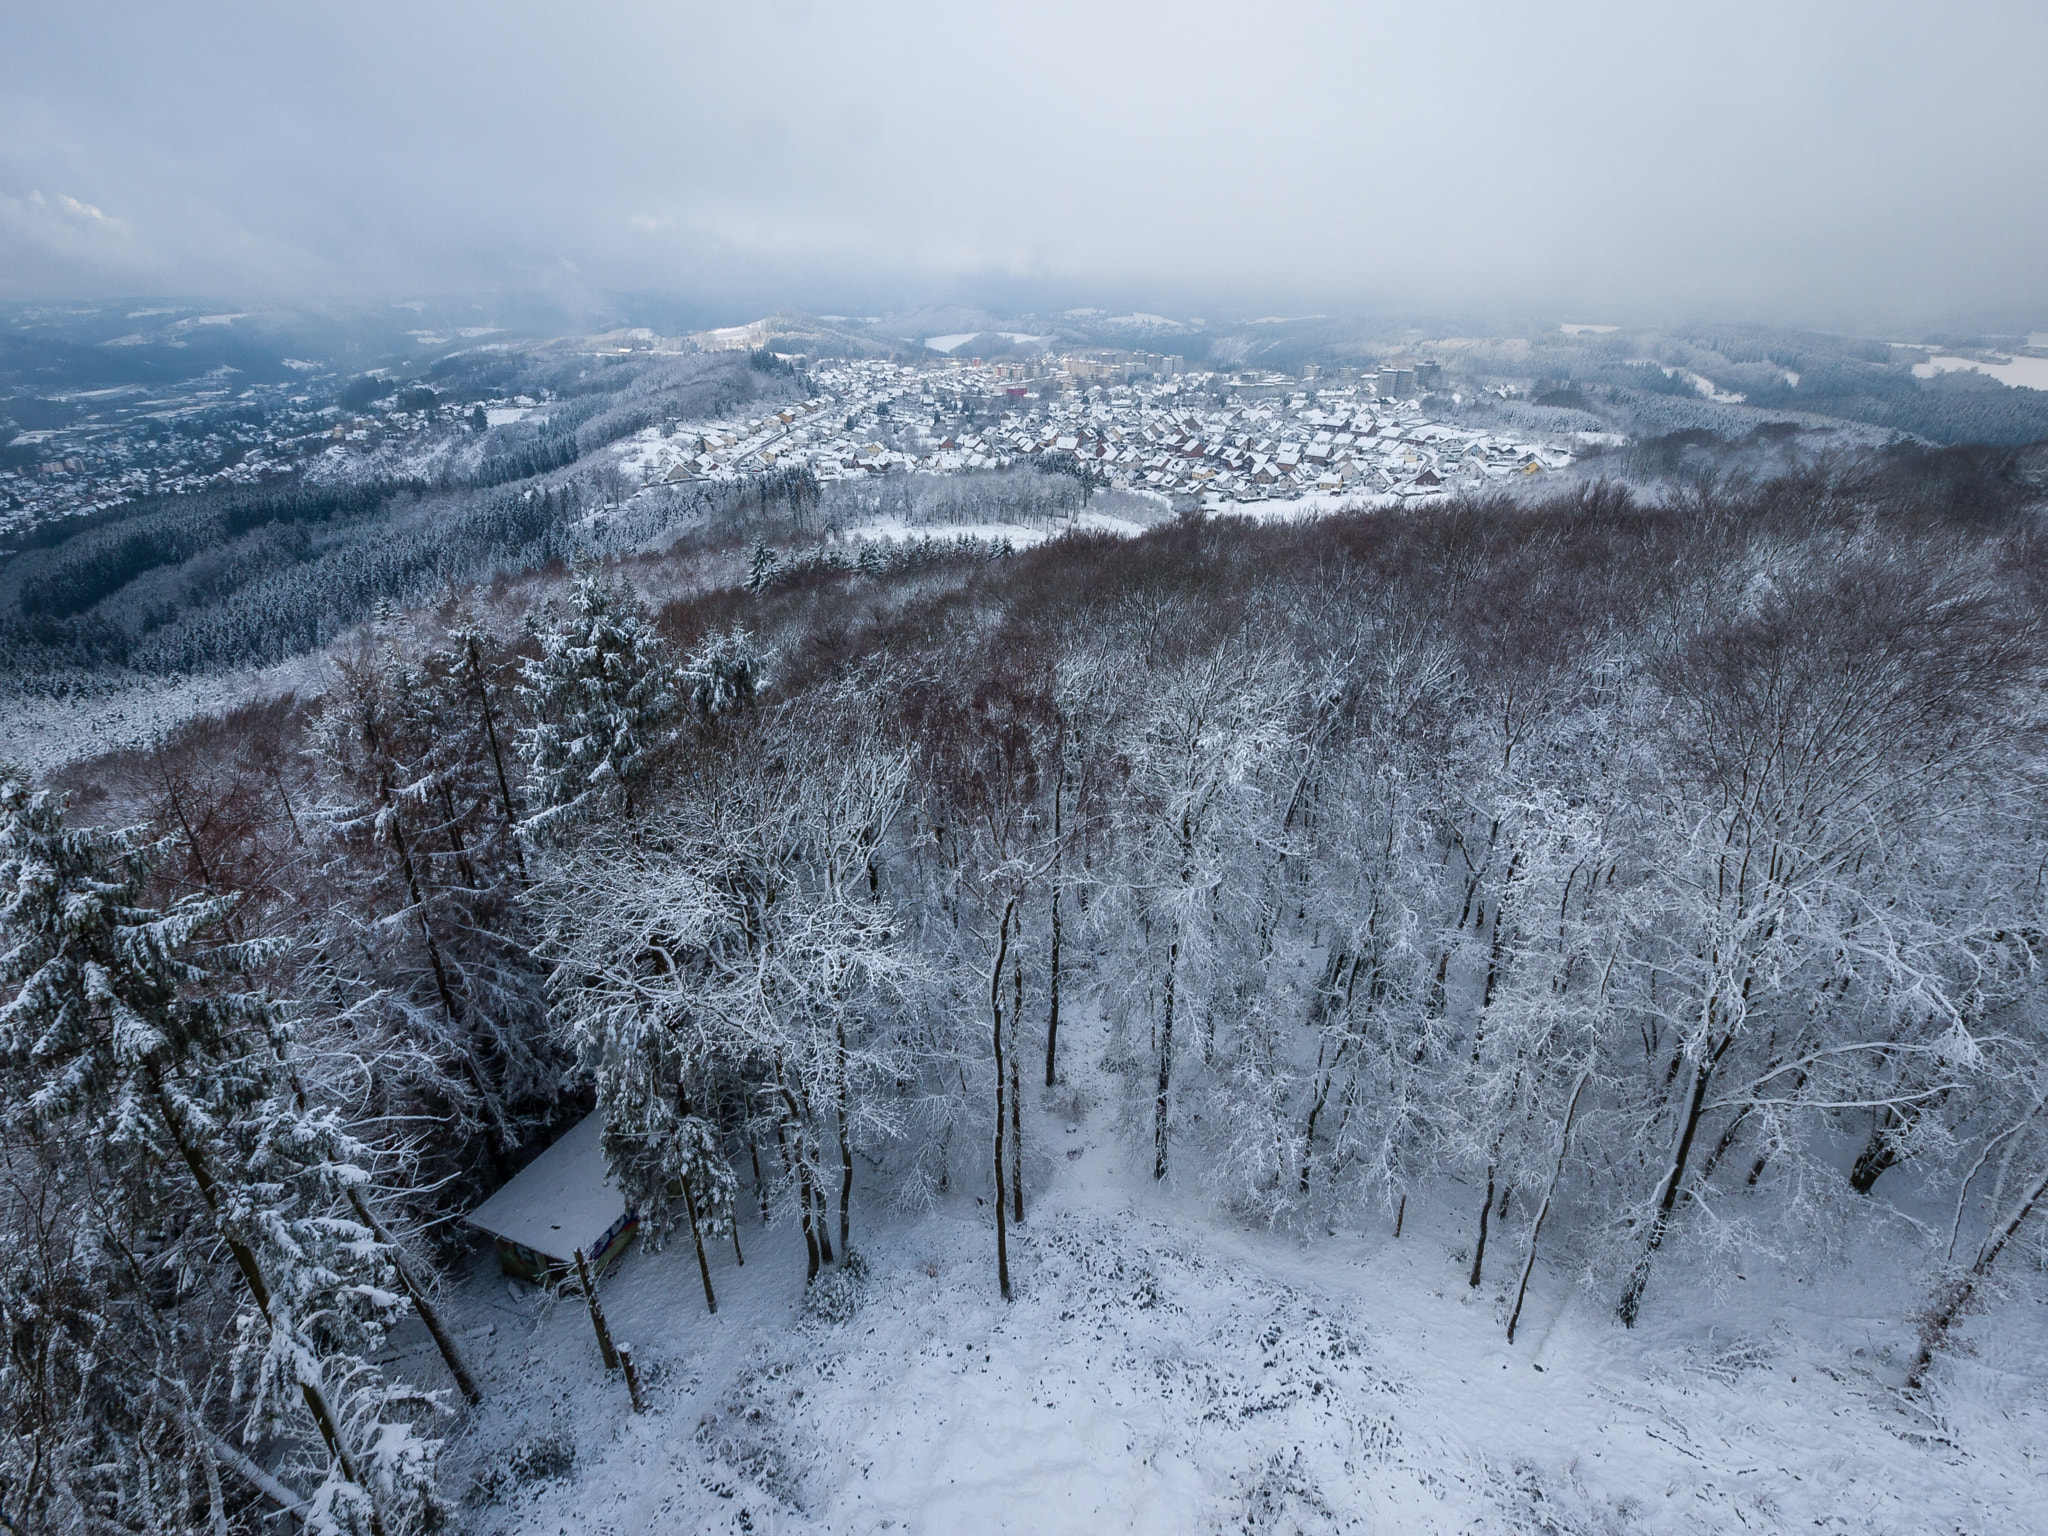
point(1837, 163)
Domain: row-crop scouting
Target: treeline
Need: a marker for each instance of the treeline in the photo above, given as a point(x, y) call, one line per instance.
point(524, 460)
point(1644, 880)
point(203, 584)
point(1025, 497)
point(58, 582)
point(1976, 484)
point(247, 575)
point(594, 407)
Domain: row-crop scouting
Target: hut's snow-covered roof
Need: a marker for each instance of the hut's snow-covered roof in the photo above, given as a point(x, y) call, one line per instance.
point(561, 1201)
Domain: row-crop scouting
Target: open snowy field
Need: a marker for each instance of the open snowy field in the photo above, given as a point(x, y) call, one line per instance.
point(2018, 372)
point(1165, 1369)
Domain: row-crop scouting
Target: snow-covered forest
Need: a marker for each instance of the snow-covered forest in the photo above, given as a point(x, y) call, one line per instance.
point(1607, 898)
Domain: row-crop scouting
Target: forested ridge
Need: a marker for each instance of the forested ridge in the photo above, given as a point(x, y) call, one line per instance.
point(1659, 878)
point(249, 575)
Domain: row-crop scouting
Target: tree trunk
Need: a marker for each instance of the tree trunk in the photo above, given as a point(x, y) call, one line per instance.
point(1052, 1012)
point(697, 1237)
point(1016, 1088)
point(824, 1223)
point(845, 1146)
point(1339, 965)
point(1500, 914)
point(313, 1391)
point(1165, 1064)
point(632, 1378)
point(184, 822)
point(1059, 868)
point(209, 1468)
point(455, 843)
point(1479, 1247)
point(803, 1179)
point(760, 1184)
point(1564, 1137)
point(259, 1479)
point(995, 1004)
point(1723, 1146)
point(292, 816)
point(470, 1069)
point(1879, 1152)
point(422, 1303)
point(419, 906)
point(1315, 1112)
point(1934, 1334)
point(483, 694)
point(1632, 1296)
point(817, 1241)
point(597, 1322)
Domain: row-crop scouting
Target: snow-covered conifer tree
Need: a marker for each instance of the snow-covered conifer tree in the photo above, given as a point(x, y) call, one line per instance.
point(604, 699)
point(723, 674)
point(761, 566)
point(397, 834)
point(472, 680)
point(129, 1037)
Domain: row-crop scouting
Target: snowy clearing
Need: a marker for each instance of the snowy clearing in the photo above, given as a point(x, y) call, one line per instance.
point(2019, 372)
point(961, 338)
point(41, 732)
point(1166, 1368)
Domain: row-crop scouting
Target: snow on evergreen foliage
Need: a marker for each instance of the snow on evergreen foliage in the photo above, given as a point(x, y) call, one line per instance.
point(422, 823)
point(761, 566)
point(657, 1153)
point(132, 1042)
point(723, 674)
point(604, 700)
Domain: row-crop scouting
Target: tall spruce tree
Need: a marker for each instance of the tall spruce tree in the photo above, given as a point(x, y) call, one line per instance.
point(398, 832)
point(604, 699)
point(131, 1038)
point(723, 675)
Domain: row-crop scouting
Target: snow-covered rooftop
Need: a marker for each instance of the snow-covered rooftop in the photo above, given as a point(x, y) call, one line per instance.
point(561, 1201)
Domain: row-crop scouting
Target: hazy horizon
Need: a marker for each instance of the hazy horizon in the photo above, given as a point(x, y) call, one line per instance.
point(1854, 167)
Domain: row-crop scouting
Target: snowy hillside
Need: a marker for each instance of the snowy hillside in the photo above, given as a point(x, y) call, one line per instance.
point(1165, 1369)
point(1507, 1015)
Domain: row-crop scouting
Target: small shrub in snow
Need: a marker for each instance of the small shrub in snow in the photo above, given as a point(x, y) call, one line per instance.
point(836, 1295)
point(1287, 1499)
point(543, 1457)
point(538, 1458)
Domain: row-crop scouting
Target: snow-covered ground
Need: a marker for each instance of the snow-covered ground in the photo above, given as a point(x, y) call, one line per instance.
point(1167, 1369)
point(2019, 372)
point(961, 338)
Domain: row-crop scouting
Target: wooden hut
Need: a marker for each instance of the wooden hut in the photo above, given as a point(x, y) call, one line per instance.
point(561, 1201)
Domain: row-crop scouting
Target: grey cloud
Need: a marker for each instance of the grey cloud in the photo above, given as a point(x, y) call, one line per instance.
point(1831, 162)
